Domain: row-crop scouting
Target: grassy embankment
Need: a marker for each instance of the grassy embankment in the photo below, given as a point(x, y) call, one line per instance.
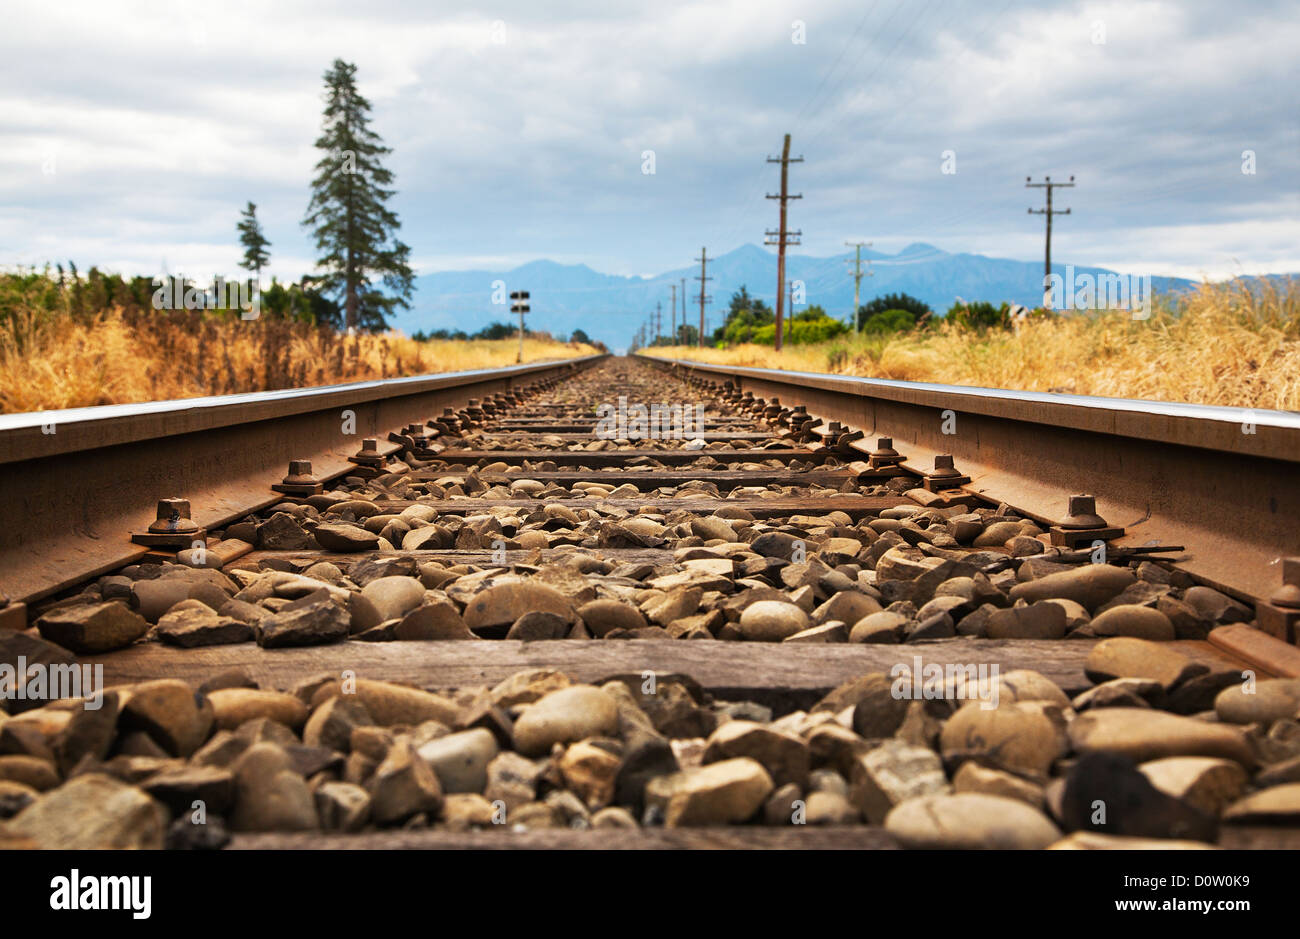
point(58, 359)
point(1218, 345)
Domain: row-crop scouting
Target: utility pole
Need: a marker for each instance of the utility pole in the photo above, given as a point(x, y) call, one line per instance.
point(519, 304)
point(1049, 212)
point(857, 277)
point(704, 261)
point(659, 320)
point(783, 237)
point(673, 320)
point(683, 303)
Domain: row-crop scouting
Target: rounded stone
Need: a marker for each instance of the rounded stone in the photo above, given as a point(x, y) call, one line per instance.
point(1139, 622)
point(1025, 737)
point(711, 528)
point(393, 597)
point(602, 616)
point(233, 706)
point(1127, 657)
point(1266, 701)
point(1144, 734)
point(1090, 586)
point(565, 716)
point(970, 820)
point(997, 534)
point(502, 604)
point(878, 627)
point(772, 621)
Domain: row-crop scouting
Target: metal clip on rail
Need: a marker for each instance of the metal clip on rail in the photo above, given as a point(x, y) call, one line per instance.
point(945, 475)
point(172, 528)
point(299, 481)
point(1279, 615)
point(1082, 525)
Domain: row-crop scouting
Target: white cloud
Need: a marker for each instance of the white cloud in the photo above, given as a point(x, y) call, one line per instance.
point(163, 119)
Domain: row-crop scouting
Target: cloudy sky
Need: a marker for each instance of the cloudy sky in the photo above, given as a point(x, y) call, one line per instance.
point(131, 133)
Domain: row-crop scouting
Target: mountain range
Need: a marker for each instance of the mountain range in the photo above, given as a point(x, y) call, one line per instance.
point(610, 308)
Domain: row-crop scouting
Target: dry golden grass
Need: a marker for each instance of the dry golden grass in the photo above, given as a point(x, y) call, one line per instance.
point(1220, 345)
point(59, 361)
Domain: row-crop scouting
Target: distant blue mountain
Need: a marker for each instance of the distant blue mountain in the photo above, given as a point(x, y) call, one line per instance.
point(610, 308)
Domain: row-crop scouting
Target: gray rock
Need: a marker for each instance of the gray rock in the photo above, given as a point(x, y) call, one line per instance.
point(461, 760)
point(891, 774)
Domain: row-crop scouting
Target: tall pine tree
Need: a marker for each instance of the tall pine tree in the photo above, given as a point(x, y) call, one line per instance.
point(355, 231)
point(255, 244)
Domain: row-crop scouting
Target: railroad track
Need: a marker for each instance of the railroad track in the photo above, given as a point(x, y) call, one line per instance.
point(626, 603)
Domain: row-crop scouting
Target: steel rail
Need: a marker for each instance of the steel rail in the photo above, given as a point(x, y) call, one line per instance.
point(1224, 482)
point(74, 484)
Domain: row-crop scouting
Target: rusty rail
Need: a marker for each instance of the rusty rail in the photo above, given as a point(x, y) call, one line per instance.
point(74, 484)
point(1223, 482)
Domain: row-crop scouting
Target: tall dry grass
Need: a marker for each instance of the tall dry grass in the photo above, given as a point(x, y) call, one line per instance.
point(50, 361)
point(1221, 344)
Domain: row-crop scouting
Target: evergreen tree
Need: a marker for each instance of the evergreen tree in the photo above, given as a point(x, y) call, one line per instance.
point(355, 231)
point(255, 244)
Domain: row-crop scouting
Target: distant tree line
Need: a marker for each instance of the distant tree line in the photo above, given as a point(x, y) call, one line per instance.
point(499, 331)
point(749, 319)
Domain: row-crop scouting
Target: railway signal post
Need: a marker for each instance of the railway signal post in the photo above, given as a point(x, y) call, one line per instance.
point(519, 304)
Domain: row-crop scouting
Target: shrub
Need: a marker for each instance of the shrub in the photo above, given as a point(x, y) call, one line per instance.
point(801, 331)
point(980, 315)
point(918, 309)
point(889, 321)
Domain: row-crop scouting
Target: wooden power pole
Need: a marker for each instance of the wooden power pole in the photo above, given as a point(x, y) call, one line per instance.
point(672, 323)
point(857, 277)
point(1048, 212)
point(703, 276)
point(783, 237)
